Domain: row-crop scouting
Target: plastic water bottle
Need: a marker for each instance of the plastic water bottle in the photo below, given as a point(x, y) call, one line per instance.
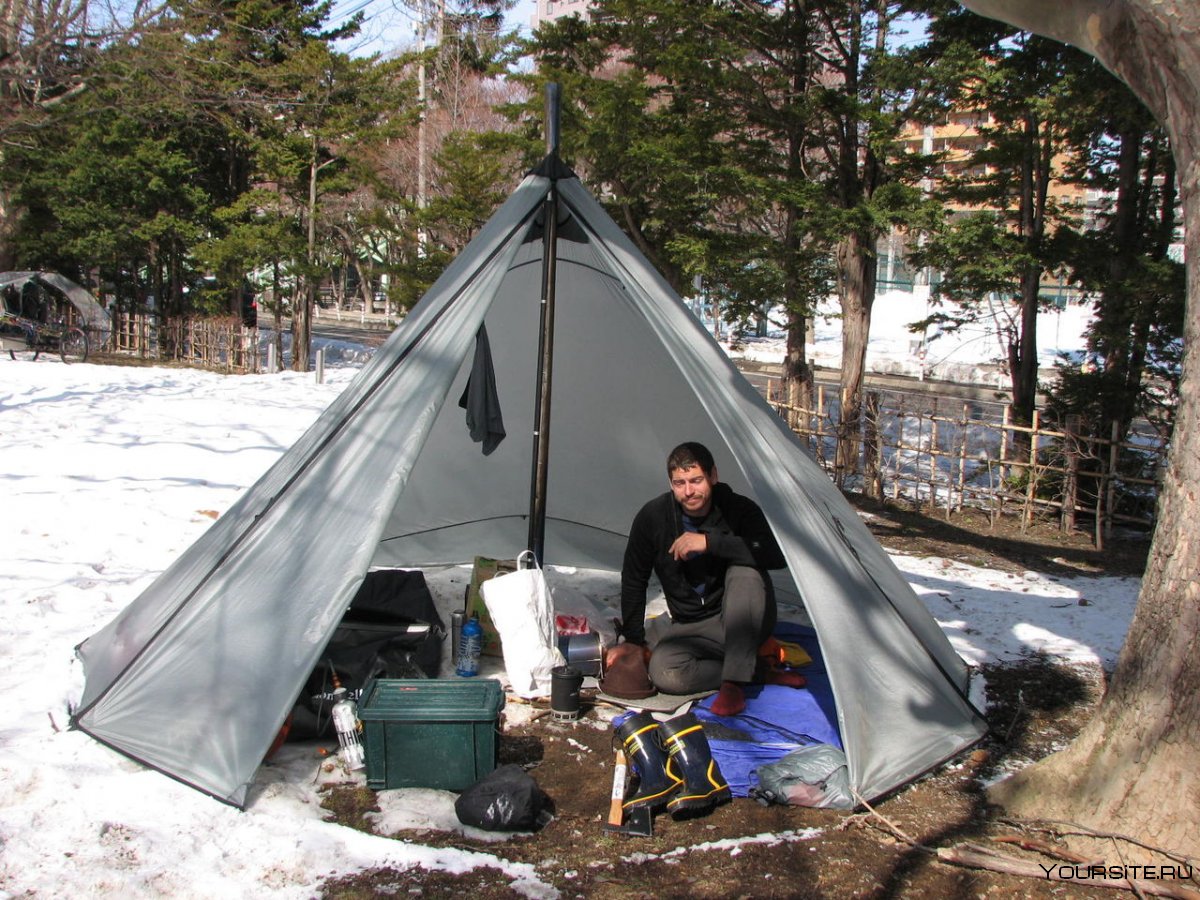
point(470, 644)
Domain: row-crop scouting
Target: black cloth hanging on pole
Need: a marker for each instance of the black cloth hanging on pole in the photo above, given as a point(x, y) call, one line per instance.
point(480, 398)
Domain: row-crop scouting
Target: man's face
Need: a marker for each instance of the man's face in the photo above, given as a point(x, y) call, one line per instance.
point(693, 489)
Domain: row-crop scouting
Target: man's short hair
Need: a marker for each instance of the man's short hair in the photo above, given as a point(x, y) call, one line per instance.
point(690, 454)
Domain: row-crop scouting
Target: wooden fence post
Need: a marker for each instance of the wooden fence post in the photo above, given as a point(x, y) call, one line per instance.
point(820, 429)
point(872, 451)
point(1031, 479)
point(933, 454)
point(1070, 492)
point(962, 458)
point(1002, 467)
point(1101, 501)
point(1114, 454)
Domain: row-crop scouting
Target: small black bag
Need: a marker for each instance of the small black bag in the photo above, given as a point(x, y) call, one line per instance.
point(506, 800)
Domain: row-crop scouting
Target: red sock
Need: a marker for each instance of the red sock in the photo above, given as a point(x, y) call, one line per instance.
point(787, 679)
point(730, 699)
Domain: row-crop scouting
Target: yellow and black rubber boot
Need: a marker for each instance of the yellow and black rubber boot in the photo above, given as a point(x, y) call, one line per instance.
point(689, 759)
point(639, 738)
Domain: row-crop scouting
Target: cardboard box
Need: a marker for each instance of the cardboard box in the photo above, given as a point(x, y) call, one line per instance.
point(484, 569)
point(437, 733)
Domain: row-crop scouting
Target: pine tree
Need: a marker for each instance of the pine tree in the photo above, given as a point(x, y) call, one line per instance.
point(997, 248)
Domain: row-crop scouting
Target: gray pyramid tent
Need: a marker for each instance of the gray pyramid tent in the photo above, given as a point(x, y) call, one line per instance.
point(196, 676)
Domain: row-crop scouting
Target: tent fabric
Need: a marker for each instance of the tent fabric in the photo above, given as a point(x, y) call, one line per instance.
point(196, 676)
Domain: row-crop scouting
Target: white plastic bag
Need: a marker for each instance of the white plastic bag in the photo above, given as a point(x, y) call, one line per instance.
point(523, 612)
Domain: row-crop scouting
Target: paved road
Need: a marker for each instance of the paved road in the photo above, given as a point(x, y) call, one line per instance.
point(372, 332)
point(758, 373)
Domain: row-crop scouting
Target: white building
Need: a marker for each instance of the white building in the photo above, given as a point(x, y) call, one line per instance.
point(549, 10)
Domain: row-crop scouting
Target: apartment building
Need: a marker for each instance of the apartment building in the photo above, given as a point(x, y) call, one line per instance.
point(549, 10)
point(957, 137)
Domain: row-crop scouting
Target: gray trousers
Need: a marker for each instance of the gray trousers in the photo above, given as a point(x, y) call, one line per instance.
point(697, 656)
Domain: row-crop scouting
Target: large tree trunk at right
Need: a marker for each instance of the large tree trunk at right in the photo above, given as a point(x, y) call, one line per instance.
point(1133, 768)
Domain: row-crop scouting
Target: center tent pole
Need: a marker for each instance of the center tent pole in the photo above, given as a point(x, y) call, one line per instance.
point(541, 414)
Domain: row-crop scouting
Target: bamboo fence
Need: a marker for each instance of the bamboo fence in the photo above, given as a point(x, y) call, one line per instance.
point(949, 454)
point(220, 344)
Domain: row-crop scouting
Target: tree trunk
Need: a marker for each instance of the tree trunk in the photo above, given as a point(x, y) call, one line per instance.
point(856, 271)
point(305, 298)
point(278, 304)
point(796, 384)
point(1123, 311)
point(1022, 359)
point(1116, 299)
point(366, 281)
point(1133, 768)
point(8, 255)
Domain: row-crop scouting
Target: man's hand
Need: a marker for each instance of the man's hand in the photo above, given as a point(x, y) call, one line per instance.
point(688, 544)
point(615, 653)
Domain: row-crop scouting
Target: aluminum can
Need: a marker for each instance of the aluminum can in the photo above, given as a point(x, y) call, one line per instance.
point(456, 624)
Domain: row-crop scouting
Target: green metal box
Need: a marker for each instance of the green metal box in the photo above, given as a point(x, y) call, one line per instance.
point(432, 733)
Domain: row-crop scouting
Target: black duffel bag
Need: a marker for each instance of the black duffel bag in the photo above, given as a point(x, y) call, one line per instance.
point(391, 630)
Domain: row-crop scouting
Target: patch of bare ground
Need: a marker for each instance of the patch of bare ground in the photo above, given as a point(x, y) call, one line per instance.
point(744, 849)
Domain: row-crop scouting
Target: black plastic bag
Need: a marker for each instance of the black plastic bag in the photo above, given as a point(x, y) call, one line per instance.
point(508, 799)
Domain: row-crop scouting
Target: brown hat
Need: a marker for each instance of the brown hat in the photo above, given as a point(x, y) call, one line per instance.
point(627, 678)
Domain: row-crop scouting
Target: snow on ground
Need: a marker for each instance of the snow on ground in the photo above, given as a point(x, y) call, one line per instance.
point(109, 473)
point(973, 355)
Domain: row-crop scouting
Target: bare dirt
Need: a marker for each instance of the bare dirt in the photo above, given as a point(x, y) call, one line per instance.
point(744, 849)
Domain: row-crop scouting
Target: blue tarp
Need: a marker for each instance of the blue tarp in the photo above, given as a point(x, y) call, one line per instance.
point(776, 721)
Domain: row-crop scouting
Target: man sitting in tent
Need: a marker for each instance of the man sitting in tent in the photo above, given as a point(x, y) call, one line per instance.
point(711, 549)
